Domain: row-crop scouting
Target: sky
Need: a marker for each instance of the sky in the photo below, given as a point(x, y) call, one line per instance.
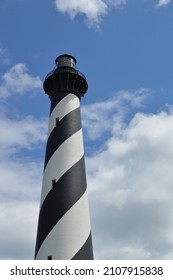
point(125, 49)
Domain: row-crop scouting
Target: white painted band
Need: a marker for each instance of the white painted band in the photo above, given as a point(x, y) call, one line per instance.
point(69, 234)
point(64, 107)
point(69, 153)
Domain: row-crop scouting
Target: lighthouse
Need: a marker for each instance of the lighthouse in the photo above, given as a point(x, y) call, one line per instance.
point(64, 231)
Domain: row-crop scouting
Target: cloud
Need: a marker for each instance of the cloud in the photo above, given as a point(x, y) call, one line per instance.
point(18, 230)
point(21, 169)
point(20, 185)
point(20, 188)
point(93, 10)
point(163, 3)
point(4, 58)
point(21, 134)
point(18, 81)
point(130, 185)
point(100, 117)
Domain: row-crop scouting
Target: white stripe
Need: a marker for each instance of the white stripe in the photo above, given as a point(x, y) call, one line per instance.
point(69, 153)
point(65, 106)
point(69, 234)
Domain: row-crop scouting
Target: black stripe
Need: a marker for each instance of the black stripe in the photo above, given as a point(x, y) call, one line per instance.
point(69, 188)
point(69, 125)
point(86, 251)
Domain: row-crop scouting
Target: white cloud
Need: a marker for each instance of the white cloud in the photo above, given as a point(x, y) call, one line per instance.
point(4, 58)
point(20, 185)
point(101, 117)
point(21, 171)
point(21, 134)
point(18, 81)
point(18, 229)
point(93, 10)
point(162, 3)
point(130, 184)
point(20, 188)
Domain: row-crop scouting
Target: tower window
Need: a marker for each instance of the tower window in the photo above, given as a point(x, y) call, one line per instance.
point(53, 184)
point(49, 257)
point(57, 121)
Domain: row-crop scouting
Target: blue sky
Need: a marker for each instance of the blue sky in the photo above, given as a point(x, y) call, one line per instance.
point(124, 47)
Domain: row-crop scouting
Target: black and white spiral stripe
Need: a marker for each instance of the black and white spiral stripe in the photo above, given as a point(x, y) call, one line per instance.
point(64, 230)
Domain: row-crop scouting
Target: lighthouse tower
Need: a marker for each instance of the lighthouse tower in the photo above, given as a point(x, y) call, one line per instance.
point(64, 231)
